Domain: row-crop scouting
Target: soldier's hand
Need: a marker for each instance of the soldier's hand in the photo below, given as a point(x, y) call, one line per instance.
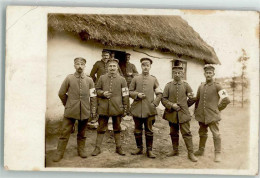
point(107, 94)
point(141, 95)
point(176, 107)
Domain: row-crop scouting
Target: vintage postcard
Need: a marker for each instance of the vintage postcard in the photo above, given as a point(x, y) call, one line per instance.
point(132, 90)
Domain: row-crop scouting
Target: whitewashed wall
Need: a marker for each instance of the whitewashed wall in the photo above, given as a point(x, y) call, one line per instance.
point(63, 48)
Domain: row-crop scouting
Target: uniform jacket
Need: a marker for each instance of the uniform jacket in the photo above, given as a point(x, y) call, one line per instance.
point(147, 84)
point(130, 72)
point(207, 107)
point(119, 101)
point(176, 92)
point(100, 68)
point(78, 95)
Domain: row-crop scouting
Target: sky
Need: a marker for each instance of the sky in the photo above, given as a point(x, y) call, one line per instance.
point(227, 32)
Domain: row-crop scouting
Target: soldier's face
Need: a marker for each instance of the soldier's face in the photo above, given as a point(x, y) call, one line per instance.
point(146, 66)
point(112, 67)
point(105, 56)
point(79, 66)
point(209, 74)
point(177, 74)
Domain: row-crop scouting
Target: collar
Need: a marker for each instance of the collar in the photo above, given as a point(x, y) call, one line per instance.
point(145, 75)
point(210, 83)
point(103, 61)
point(78, 75)
point(175, 82)
point(112, 75)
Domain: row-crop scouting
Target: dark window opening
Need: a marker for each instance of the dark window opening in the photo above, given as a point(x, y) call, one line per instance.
point(121, 56)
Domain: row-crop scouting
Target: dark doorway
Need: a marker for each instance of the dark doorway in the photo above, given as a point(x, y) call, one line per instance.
point(121, 56)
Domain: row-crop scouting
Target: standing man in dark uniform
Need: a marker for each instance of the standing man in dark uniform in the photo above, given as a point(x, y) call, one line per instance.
point(113, 101)
point(207, 110)
point(100, 67)
point(130, 70)
point(142, 90)
point(174, 99)
point(78, 95)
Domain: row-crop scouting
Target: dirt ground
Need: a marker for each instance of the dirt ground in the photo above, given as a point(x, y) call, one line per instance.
point(234, 128)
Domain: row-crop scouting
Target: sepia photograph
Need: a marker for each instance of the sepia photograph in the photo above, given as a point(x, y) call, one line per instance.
point(172, 91)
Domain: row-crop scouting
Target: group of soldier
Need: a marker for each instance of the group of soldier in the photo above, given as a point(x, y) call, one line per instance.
point(105, 94)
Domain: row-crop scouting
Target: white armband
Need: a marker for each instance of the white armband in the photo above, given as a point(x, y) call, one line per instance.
point(223, 93)
point(158, 90)
point(125, 91)
point(92, 92)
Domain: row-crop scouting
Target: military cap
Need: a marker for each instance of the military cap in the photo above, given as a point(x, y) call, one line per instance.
point(113, 60)
point(146, 59)
point(177, 64)
point(209, 67)
point(106, 51)
point(127, 54)
point(80, 59)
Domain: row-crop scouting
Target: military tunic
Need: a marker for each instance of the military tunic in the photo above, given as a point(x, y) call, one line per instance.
point(147, 84)
point(75, 94)
point(130, 72)
point(176, 92)
point(207, 107)
point(118, 102)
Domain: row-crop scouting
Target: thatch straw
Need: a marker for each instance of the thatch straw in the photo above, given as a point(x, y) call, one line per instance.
point(165, 33)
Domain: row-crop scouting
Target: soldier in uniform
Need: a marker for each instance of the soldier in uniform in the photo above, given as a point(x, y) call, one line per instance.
point(174, 100)
point(113, 101)
point(142, 90)
point(207, 110)
point(100, 67)
point(78, 95)
point(130, 70)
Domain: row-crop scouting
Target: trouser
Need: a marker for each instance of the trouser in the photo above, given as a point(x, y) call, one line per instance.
point(103, 123)
point(214, 128)
point(67, 126)
point(148, 125)
point(186, 134)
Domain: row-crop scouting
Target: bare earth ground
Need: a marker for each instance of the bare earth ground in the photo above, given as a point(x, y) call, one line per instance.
point(234, 128)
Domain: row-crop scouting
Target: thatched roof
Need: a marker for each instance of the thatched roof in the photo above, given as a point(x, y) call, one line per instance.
point(165, 33)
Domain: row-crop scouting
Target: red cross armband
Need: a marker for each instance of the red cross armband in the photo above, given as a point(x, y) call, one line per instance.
point(223, 94)
point(125, 91)
point(92, 92)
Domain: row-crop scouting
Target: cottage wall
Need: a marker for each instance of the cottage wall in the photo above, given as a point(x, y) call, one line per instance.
point(63, 48)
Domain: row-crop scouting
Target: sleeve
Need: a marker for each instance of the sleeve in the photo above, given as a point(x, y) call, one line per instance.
point(100, 92)
point(190, 95)
point(63, 91)
point(165, 102)
point(132, 87)
point(197, 98)
point(158, 93)
point(93, 72)
point(135, 72)
point(125, 95)
point(93, 97)
point(119, 70)
point(224, 99)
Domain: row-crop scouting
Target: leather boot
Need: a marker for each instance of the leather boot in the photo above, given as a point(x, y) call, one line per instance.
point(81, 148)
point(60, 150)
point(99, 140)
point(139, 144)
point(175, 146)
point(119, 149)
point(189, 146)
point(217, 145)
point(149, 146)
point(200, 151)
